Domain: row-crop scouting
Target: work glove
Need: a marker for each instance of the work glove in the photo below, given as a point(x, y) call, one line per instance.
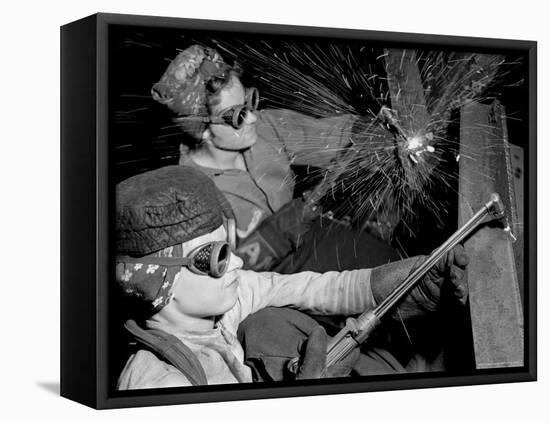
point(451, 269)
point(312, 358)
point(447, 274)
point(273, 337)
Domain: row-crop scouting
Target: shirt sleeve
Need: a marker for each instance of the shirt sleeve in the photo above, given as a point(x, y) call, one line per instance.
point(331, 293)
point(308, 140)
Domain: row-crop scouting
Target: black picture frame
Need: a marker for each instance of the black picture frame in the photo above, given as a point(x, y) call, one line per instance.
point(87, 182)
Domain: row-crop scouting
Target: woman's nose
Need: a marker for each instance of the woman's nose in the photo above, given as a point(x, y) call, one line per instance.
point(250, 117)
point(235, 263)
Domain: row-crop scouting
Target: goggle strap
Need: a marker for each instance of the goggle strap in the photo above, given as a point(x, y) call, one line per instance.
point(161, 261)
point(197, 118)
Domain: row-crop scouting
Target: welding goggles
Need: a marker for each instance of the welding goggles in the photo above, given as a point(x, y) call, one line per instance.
point(210, 259)
point(235, 115)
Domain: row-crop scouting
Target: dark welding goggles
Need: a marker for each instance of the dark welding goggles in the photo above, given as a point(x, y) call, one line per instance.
point(235, 115)
point(210, 259)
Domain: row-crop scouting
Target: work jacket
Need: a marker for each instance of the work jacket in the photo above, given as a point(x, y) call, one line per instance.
point(285, 137)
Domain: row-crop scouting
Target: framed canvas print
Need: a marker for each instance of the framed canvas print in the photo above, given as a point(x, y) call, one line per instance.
point(257, 211)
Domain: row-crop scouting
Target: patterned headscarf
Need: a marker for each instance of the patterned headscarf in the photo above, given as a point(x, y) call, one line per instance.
point(182, 87)
point(149, 284)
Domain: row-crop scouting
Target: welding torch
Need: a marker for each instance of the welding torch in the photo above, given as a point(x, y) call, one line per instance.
point(356, 331)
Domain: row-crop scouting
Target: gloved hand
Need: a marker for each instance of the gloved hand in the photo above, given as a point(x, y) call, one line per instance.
point(447, 273)
point(313, 355)
point(313, 358)
point(272, 337)
point(449, 268)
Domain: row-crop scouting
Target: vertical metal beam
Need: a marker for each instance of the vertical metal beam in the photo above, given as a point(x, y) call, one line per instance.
point(518, 174)
point(406, 90)
point(495, 302)
point(408, 101)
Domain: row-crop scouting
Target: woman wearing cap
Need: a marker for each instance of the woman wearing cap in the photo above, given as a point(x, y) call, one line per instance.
point(188, 290)
point(248, 154)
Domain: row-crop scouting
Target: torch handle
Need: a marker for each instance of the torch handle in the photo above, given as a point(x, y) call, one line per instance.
point(345, 341)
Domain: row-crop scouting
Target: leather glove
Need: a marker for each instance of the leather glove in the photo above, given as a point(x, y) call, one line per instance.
point(449, 269)
point(447, 273)
point(272, 337)
point(313, 358)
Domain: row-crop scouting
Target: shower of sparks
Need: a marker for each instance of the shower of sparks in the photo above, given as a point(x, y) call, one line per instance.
point(385, 171)
point(389, 165)
point(315, 80)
